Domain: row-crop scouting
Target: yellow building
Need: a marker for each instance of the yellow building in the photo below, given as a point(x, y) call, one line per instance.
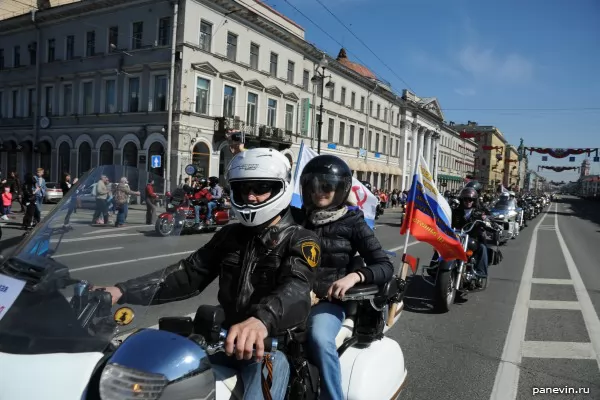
point(489, 158)
point(511, 167)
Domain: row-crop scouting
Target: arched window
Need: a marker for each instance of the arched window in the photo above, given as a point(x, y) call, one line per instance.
point(45, 150)
point(106, 154)
point(130, 155)
point(201, 158)
point(84, 162)
point(64, 159)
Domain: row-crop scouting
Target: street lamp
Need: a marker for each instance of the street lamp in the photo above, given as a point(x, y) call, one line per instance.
point(319, 78)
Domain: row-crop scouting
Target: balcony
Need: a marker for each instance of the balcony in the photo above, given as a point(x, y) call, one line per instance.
point(256, 135)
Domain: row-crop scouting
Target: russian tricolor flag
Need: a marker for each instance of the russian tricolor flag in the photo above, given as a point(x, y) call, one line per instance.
point(429, 217)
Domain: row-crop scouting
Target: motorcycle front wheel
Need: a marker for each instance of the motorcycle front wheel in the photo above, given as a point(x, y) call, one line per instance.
point(163, 227)
point(445, 290)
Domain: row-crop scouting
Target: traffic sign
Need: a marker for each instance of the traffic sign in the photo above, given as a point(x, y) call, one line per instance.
point(155, 161)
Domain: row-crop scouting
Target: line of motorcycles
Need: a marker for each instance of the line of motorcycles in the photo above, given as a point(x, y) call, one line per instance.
point(502, 220)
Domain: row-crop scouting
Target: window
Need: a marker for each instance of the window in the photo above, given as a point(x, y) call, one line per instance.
point(17, 56)
point(377, 142)
point(289, 117)
point(32, 53)
point(70, 48)
point(254, 48)
point(49, 99)
point(361, 137)
point(88, 98)
point(330, 128)
point(362, 103)
point(378, 111)
point(164, 30)
point(353, 100)
point(205, 35)
point(138, 35)
point(160, 93)
point(290, 72)
point(202, 95)
point(273, 64)
point(272, 113)
point(370, 141)
point(113, 38)
point(332, 91)
point(229, 102)
point(385, 114)
point(1, 59)
point(385, 149)
point(15, 104)
point(371, 108)
point(90, 40)
point(110, 96)
point(232, 46)
point(51, 50)
point(352, 136)
point(342, 133)
point(1, 105)
point(305, 79)
point(30, 102)
point(251, 108)
point(68, 99)
point(133, 94)
point(343, 96)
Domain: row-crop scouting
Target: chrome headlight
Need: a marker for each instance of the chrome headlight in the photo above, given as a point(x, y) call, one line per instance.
point(121, 383)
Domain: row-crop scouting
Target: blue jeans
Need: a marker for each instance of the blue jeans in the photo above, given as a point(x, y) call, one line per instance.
point(481, 255)
point(324, 323)
point(211, 207)
point(122, 214)
point(251, 372)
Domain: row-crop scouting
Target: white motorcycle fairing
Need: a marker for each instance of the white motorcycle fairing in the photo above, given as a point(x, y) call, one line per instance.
point(55, 376)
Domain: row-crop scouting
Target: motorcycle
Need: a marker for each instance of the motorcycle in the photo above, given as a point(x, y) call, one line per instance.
point(66, 333)
point(457, 275)
point(504, 213)
point(180, 215)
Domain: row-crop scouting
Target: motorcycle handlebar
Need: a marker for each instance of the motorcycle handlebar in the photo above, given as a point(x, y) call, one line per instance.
point(270, 344)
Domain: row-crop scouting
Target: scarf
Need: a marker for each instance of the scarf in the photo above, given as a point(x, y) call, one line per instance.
point(322, 217)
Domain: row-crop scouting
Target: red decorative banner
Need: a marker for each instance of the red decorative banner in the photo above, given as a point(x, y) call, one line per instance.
point(561, 153)
point(558, 169)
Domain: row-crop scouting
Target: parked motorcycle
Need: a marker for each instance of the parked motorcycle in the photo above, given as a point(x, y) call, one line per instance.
point(180, 215)
point(456, 275)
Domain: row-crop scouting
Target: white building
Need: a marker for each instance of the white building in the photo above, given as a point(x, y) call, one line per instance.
point(89, 85)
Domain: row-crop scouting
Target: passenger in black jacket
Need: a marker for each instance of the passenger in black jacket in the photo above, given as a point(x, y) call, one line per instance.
point(265, 264)
point(328, 201)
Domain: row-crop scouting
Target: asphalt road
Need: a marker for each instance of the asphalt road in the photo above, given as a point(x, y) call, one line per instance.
point(535, 326)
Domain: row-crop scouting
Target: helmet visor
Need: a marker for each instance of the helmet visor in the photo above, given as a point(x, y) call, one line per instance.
point(241, 190)
point(324, 191)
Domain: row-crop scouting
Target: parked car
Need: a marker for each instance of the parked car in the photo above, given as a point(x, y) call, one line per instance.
point(53, 192)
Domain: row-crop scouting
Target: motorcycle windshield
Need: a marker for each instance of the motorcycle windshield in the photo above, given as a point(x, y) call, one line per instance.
point(504, 205)
point(96, 236)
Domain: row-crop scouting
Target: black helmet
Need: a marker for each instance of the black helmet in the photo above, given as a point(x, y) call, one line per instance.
point(202, 182)
point(325, 174)
point(469, 193)
point(213, 180)
point(475, 185)
point(367, 184)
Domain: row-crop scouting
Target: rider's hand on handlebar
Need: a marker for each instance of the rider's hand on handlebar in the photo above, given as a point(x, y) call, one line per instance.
point(246, 337)
point(339, 288)
point(114, 291)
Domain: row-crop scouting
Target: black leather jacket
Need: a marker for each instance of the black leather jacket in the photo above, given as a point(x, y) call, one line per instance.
point(266, 274)
point(341, 240)
point(459, 221)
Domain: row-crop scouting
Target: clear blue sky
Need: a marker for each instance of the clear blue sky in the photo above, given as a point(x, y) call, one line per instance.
point(473, 55)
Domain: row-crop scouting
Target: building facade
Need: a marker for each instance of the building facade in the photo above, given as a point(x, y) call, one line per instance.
point(511, 168)
point(456, 160)
point(106, 82)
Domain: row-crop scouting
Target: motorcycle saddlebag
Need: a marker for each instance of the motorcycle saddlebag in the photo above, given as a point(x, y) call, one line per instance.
point(494, 256)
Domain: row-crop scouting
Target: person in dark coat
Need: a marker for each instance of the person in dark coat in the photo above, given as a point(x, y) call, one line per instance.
point(330, 211)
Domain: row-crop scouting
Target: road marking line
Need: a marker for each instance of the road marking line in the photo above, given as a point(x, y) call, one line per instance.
point(587, 308)
point(86, 252)
point(82, 239)
point(121, 229)
point(401, 247)
point(110, 264)
point(554, 305)
point(548, 281)
point(569, 350)
point(507, 377)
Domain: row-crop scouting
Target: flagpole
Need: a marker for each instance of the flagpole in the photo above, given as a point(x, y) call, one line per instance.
point(407, 235)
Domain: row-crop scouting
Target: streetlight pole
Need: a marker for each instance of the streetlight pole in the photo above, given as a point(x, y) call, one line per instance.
point(319, 78)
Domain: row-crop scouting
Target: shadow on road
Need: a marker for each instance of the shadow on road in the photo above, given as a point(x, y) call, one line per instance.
point(583, 209)
point(419, 296)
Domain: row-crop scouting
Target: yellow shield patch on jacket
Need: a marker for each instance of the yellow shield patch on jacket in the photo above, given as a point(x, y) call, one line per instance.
point(312, 253)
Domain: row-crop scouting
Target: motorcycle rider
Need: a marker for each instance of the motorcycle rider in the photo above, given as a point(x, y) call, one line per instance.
point(216, 193)
point(468, 211)
point(202, 195)
point(265, 264)
point(330, 211)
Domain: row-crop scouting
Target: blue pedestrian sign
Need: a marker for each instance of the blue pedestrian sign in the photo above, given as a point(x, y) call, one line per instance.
point(155, 161)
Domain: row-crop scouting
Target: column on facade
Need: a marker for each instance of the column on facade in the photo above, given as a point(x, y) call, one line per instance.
point(427, 147)
point(421, 134)
point(430, 149)
point(436, 157)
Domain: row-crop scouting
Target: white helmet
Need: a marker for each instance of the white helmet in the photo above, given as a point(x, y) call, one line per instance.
point(511, 194)
point(260, 165)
